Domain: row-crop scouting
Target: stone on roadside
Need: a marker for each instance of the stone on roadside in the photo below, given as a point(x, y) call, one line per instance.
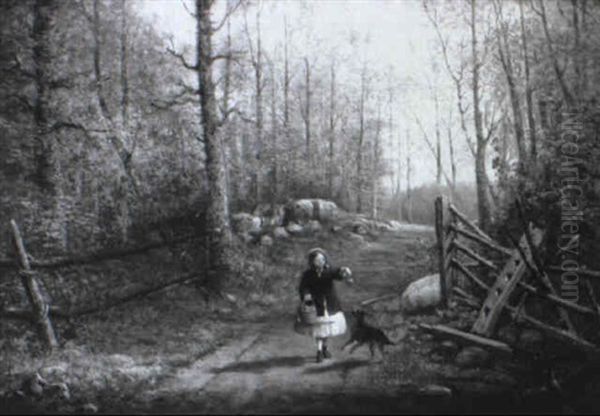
point(280, 233)
point(89, 408)
point(266, 241)
point(472, 356)
point(314, 226)
point(421, 294)
point(294, 229)
point(435, 390)
point(449, 347)
point(60, 391)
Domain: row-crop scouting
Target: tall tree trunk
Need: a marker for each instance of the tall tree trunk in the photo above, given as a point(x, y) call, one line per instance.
point(45, 163)
point(52, 217)
point(307, 92)
point(290, 168)
point(528, 88)
point(331, 130)
point(558, 72)
point(124, 63)
point(259, 112)
point(452, 160)
point(275, 150)
point(361, 137)
point(232, 181)
point(481, 179)
point(409, 216)
point(507, 65)
point(438, 140)
point(217, 221)
point(375, 170)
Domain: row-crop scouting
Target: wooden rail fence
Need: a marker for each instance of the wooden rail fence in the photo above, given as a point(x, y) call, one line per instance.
point(479, 272)
point(41, 311)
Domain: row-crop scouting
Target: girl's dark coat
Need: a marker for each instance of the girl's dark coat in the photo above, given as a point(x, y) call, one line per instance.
point(322, 289)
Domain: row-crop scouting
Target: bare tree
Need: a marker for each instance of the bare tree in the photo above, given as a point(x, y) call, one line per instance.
point(553, 55)
point(218, 229)
point(361, 137)
point(505, 56)
point(481, 178)
point(528, 86)
point(256, 56)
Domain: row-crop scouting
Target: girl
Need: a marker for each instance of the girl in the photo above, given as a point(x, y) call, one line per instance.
point(317, 288)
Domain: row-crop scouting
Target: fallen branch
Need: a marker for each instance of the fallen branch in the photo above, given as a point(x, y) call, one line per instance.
point(489, 343)
point(379, 298)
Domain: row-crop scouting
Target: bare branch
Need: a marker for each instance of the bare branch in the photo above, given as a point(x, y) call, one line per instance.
point(191, 13)
point(228, 13)
point(182, 60)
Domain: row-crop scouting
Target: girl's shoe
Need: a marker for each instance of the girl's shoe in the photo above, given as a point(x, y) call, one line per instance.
point(319, 356)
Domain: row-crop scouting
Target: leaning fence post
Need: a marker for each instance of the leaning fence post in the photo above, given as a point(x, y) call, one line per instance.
point(32, 288)
point(439, 232)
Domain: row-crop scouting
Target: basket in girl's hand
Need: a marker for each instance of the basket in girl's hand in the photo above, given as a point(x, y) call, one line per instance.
point(307, 312)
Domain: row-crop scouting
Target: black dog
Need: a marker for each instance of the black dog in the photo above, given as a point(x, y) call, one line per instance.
point(363, 333)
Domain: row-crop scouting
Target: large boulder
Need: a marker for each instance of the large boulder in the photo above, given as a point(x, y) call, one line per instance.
point(421, 294)
point(304, 210)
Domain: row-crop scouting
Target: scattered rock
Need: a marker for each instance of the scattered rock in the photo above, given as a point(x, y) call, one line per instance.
point(60, 391)
point(356, 238)
point(421, 294)
point(294, 229)
point(436, 390)
point(314, 226)
point(280, 233)
point(247, 238)
point(449, 347)
point(472, 356)
point(336, 228)
point(360, 229)
point(244, 223)
point(89, 408)
point(426, 337)
point(34, 385)
point(56, 370)
point(231, 298)
point(266, 241)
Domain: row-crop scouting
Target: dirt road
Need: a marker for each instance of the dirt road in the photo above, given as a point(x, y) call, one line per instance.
point(269, 368)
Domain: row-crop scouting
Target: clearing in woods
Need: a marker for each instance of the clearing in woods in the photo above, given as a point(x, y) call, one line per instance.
point(170, 353)
point(269, 368)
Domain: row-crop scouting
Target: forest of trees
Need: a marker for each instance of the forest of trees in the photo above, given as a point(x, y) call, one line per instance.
point(109, 127)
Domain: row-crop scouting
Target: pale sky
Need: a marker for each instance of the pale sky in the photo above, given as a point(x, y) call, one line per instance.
point(400, 37)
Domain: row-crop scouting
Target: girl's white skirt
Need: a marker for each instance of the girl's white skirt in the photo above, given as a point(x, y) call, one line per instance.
point(324, 327)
